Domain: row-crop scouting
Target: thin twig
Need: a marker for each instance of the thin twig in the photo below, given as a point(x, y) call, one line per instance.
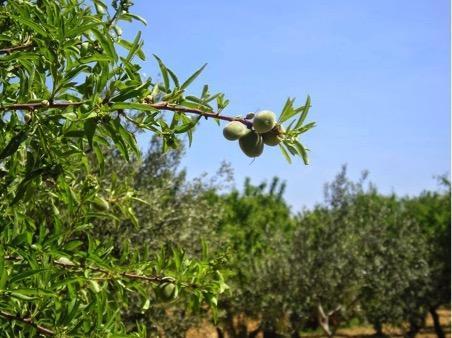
point(70, 265)
point(129, 275)
point(182, 109)
point(37, 105)
point(16, 48)
point(159, 105)
point(28, 321)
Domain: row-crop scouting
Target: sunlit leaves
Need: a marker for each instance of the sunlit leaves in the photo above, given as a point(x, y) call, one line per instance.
point(79, 97)
point(296, 117)
point(193, 77)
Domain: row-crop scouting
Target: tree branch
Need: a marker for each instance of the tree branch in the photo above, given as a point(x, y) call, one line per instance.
point(70, 265)
point(159, 106)
point(16, 48)
point(37, 105)
point(28, 321)
point(182, 109)
point(129, 275)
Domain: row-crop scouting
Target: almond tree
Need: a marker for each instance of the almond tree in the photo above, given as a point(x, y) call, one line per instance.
point(70, 87)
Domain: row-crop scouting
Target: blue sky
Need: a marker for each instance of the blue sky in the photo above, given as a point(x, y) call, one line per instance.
point(378, 73)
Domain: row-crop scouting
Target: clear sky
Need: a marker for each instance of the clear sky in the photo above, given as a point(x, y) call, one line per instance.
point(378, 73)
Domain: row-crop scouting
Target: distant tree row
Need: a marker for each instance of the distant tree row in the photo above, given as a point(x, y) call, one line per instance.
point(359, 255)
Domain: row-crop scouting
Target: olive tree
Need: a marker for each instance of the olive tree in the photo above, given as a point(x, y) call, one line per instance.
point(254, 226)
point(357, 255)
point(431, 211)
point(70, 87)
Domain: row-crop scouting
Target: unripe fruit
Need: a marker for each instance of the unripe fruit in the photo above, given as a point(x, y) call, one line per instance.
point(252, 144)
point(27, 117)
point(264, 121)
point(167, 291)
point(273, 137)
point(45, 103)
point(101, 203)
point(234, 130)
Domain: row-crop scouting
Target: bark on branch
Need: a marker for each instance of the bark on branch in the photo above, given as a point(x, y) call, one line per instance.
point(16, 48)
point(41, 329)
point(159, 106)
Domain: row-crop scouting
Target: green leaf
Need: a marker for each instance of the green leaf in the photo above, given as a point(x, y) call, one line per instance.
point(285, 153)
point(75, 71)
point(128, 16)
point(106, 43)
point(127, 45)
point(187, 125)
point(302, 151)
point(117, 139)
point(3, 270)
point(13, 144)
point(306, 127)
point(31, 24)
point(193, 77)
point(20, 276)
point(73, 245)
point(78, 30)
point(164, 72)
point(37, 292)
point(96, 58)
point(89, 127)
point(173, 77)
point(304, 114)
point(133, 91)
point(287, 111)
point(134, 47)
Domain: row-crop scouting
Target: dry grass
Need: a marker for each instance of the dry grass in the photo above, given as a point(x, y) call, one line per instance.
point(208, 331)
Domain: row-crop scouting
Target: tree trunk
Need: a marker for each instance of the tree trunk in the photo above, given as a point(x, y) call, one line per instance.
point(241, 328)
point(270, 334)
point(414, 329)
point(378, 329)
point(294, 319)
point(229, 326)
point(220, 333)
point(438, 329)
point(254, 333)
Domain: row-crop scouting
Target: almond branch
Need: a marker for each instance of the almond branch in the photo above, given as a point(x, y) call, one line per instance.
point(16, 48)
point(159, 106)
point(29, 321)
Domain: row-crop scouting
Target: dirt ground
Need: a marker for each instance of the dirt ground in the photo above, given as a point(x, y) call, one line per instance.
point(208, 331)
point(427, 332)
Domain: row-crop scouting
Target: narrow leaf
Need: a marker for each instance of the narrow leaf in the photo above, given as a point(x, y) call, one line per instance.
point(193, 77)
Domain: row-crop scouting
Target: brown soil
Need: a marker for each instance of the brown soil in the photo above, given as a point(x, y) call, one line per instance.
point(208, 331)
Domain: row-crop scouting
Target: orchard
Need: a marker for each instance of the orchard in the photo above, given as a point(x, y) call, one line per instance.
point(100, 240)
point(72, 91)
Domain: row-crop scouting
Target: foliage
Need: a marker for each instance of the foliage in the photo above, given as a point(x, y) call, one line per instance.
point(253, 226)
point(359, 255)
point(70, 90)
point(172, 212)
point(431, 211)
point(96, 241)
